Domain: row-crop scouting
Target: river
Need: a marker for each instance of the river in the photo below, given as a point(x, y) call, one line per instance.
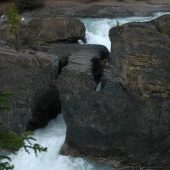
point(53, 135)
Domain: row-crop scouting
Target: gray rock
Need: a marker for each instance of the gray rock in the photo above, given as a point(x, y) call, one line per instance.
point(141, 57)
point(46, 30)
point(100, 9)
point(30, 77)
point(129, 117)
point(55, 29)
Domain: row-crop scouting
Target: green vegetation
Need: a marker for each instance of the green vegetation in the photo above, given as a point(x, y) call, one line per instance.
point(10, 141)
point(13, 142)
point(4, 104)
point(27, 4)
point(5, 163)
point(14, 22)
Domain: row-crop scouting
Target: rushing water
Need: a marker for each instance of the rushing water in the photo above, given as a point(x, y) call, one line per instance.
point(53, 135)
point(97, 30)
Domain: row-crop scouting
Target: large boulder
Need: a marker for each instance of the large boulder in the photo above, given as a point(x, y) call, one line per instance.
point(55, 29)
point(30, 78)
point(129, 117)
point(141, 60)
point(47, 30)
point(141, 57)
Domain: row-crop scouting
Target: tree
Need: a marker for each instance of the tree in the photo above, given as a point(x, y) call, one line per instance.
point(14, 22)
point(12, 141)
point(5, 163)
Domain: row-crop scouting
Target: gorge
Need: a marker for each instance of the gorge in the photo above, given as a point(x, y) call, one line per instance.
point(127, 118)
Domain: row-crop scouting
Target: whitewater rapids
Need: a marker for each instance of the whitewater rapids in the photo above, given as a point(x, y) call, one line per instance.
point(97, 30)
point(53, 137)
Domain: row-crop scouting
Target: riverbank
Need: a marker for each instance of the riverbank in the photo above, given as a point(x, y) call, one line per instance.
point(102, 9)
point(97, 8)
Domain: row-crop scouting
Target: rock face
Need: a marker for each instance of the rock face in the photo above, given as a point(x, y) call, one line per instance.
point(55, 29)
point(100, 8)
point(141, 64)
point(130, 116)
point(141, 57)
point(30, 77)
point(47, 30)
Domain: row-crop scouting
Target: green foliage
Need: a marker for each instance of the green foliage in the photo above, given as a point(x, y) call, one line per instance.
point(14, 22)
point(5, 163)
point(12, 141)
point(4, 103)
point(28, 139)
point(27, 4)
point(6, 143)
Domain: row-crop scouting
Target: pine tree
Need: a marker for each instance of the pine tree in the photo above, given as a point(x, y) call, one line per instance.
point(12, 141)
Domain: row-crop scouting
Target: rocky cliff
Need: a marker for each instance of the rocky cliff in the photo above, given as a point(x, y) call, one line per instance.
point(141, 57)
point(30, 75)
point(129, 117)
point(114, 105)
point(46, 30)
point(30, 78)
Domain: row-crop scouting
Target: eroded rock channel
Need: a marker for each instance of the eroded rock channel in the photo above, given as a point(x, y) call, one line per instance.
point(127, 119)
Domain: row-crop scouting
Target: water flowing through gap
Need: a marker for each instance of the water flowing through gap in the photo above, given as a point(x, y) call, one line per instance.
point(53, 135)
point(97, 30)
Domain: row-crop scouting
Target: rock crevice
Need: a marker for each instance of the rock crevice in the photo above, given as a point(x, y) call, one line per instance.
point(130, 116)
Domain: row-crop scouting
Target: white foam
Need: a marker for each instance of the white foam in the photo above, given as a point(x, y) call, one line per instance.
point(53, 137)
point(97, 30)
